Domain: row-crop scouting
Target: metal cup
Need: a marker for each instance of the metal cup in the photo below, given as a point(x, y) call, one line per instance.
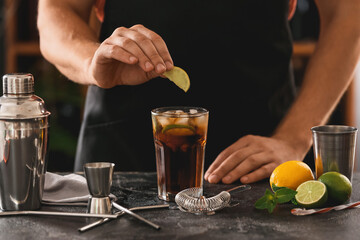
point(99, 178)
point(334, 149)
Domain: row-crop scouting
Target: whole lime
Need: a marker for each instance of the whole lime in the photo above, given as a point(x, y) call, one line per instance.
point(338, 186)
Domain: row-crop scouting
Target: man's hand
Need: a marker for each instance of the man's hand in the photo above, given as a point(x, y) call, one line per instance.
point(251, 159)
point(130, 56)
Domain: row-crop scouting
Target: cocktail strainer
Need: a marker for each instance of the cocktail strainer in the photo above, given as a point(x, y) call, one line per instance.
point(191, 200)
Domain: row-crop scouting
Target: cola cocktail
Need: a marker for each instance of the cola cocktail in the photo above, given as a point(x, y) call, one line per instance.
point(180, 139)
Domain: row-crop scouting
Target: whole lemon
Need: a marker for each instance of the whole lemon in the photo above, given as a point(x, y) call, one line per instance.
point(291, 174)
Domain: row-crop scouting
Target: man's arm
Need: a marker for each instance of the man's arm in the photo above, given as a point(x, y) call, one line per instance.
point(328, 75)
point(130, 56)
point(65, 38)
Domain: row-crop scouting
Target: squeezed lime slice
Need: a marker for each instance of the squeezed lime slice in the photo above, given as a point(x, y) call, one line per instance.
point(311, 194)
point(179, 129)
point(179, 77)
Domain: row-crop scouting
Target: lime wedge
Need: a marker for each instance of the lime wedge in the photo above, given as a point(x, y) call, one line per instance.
point(311, 194)
point(179, 129)
point(179, 77)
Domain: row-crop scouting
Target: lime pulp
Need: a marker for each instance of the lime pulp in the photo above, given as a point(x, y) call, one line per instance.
point(311, 194)
point(179, 77)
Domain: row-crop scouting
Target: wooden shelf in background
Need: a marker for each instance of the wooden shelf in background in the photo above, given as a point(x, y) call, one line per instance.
point(303, 49)
point(15, 48)
point(27, 48)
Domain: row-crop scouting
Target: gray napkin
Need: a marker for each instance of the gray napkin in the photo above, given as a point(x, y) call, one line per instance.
point(68, 189)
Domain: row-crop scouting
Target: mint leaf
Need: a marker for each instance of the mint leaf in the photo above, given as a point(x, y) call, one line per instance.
point(293, 201)
point(284, 195)
point(275, 188)
point(268, 201)
point(261, 203)
point(271, 207)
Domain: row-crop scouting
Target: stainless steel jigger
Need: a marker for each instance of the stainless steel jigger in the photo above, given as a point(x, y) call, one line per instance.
point(99, 178)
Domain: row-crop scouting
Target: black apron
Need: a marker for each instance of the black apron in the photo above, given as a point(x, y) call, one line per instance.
point(237, 54)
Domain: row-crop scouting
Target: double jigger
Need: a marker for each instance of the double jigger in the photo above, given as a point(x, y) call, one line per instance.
point(99, 178)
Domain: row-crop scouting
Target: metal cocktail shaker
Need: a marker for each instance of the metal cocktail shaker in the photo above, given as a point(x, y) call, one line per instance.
point(23, 144)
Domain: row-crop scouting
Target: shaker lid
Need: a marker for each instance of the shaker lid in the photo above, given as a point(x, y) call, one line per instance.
point(18, 83)
point(18, 101)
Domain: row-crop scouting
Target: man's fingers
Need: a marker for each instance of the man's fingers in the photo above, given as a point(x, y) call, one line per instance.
point(108, 52)
point(159, 44)
point(132, 47)
point(145, 44)
point(259, 174)
point(137, 45)
point(222, 156)
point(251, 163)
point(230, 163)
point(241, 143)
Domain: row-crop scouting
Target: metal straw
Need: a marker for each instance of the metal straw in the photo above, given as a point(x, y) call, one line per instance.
point(157, 227)
point(104, 220)
point(66, 214)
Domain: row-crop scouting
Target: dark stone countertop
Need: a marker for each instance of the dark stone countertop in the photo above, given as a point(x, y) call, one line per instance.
point(240, 222)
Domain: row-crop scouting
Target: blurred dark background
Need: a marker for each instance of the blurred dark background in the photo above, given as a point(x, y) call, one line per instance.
point(19, 52)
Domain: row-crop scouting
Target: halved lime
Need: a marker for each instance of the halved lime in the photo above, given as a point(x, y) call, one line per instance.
point(338, 185)
point(179, 129)
point(311, 194)
point(179, 77)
